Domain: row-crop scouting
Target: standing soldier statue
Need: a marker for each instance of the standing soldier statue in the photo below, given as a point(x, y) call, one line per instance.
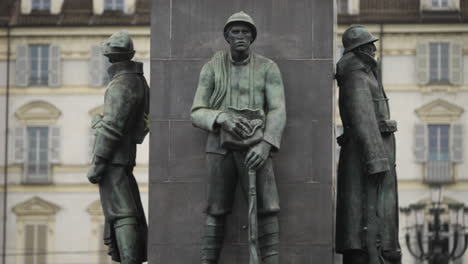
point(240, 101)
point(118, 130)
point(367, 201)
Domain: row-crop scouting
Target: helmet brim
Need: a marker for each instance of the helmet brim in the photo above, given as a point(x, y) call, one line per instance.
point(118, 53)
point(252, 27)
point(372, 40)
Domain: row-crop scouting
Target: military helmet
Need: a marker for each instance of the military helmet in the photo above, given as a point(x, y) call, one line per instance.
point(118, 43)
point(242, 17)
point(356, 36)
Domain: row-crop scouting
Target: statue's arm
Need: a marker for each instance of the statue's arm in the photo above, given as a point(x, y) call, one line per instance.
point(118, 104)
point(359, 106)
point(275, 107)
point(201, 114)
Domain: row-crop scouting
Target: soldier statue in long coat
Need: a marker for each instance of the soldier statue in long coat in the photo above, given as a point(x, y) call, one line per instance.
point(122, 126)
point(367, 201)
point(234, 82)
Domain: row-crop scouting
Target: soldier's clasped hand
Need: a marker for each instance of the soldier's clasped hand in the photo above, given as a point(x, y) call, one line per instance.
point(235, 125)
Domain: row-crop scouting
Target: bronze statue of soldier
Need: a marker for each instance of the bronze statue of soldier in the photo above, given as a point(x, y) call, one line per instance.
point(367, 201)
point(122, 126)
point(240, 101)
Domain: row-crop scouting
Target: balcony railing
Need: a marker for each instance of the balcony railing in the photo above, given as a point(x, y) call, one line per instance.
point(439, 172)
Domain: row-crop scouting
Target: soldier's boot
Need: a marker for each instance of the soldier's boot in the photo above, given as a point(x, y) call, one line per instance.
point(128, 241)
point(268, 238)
point(212, 239)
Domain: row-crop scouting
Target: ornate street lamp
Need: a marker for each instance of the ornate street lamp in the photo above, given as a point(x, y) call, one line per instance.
point(440, 231)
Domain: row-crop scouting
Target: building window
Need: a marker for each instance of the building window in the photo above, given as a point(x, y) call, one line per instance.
point(440, 4)
point(439, 63)
point(35, 224)
point(114, 5)
point(439, 166)
point(39, 63)
point(40, 5)
point(438, 142)
point(38, 154)
point(343, 7)
point(35, 243)
point(37, 141)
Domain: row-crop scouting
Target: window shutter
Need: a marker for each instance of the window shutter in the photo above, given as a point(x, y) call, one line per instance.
point(29, 232)
point(55, 145)
point(96, 67)
point(456, 64)
point(20, 144)
point(41, 244)
point(422, 63)
point(54, 66)
point(22, 65)
point(457, 142)
point(420, 151)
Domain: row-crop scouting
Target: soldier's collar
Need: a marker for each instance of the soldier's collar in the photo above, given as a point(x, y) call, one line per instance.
point(369, 62)
point(239, 63)
point(125, 67)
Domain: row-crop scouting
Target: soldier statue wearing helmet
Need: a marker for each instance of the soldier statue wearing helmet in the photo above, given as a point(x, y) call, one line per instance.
point(240, 102)
point(121, 126)
point(367, 201)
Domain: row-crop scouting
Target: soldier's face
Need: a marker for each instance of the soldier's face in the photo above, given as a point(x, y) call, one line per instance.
point(239, 37)
point(369, 49)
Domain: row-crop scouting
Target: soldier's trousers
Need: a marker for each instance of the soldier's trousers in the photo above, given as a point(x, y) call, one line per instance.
point(122, 207)
point(225, 171)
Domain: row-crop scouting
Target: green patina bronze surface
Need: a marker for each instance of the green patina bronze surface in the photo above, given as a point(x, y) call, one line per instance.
point(122, 126)
point(232, 83)
point(367, 201)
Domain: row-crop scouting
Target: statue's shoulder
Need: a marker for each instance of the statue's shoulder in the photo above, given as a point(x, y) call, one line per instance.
point(219, 56)
point(262, 59)
point(349, 63)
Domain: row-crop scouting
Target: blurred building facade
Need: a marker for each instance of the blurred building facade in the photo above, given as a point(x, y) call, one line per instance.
point(57, 80)
point(423, 51)
point(56, 83)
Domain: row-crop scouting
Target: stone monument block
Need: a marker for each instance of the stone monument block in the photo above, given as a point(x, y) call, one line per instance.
point(298, 36)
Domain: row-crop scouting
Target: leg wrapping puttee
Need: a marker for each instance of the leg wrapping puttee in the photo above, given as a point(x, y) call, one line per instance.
point(212, 239)
point(268, 235)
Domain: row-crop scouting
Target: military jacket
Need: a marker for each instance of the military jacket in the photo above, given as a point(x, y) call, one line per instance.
point(254, 83)
point(126, 106)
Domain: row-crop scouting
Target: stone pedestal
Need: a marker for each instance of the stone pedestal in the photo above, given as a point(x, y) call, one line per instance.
point(298, 35)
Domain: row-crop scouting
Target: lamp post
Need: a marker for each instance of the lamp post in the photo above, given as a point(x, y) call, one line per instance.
point(433, 225)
